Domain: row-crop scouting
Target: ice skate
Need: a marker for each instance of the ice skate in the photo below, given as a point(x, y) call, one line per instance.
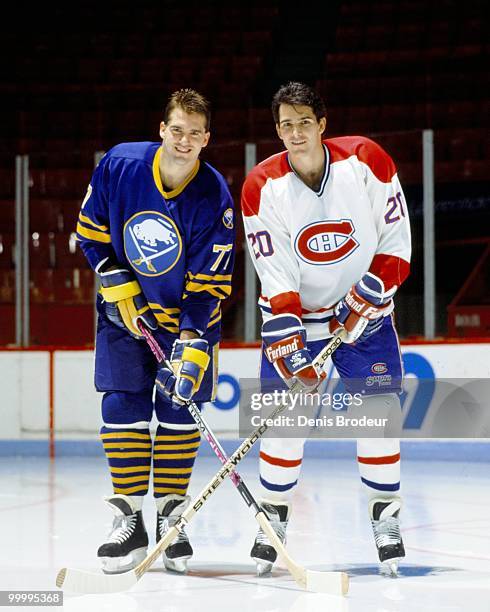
point(263, 553)
point(386, 528)
point(169, 508)
point(127, 544)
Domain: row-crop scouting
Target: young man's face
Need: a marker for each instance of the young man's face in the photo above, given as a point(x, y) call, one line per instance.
point(184, 135)
point(299, 129)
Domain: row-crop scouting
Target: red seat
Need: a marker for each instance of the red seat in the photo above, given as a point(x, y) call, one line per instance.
point(213, 73)
point(261, 124)
point(68, 252)
point(121, 70)
point(245, 68)
point(266, 148)
point(194, 45)
point(7, 250)
point(230, 153)
point(224, 43)
point(257, 42)
point(466, 145)
point(42, 250)
point(410, 35)
point(349, 38)
point(74, 285)
point(42, 285)
point(45, 215)
point(151, 70)
point(7, 182)
point(396, 117)
point(362, 119)
point(341, 63)
point(336, 120)
point(7, 286)
point(7, 216)
point(229, 124)
point(91, 70)
point(70, 209)
point(67, 182)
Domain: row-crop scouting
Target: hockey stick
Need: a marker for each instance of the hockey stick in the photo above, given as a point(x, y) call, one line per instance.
point(336, 583)
point(82, 581)
point(322, 356)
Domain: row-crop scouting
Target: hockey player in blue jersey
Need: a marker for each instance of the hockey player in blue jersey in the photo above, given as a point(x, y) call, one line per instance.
point(157, 226)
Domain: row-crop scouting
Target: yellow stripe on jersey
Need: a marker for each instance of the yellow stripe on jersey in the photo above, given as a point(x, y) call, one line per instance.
point(211, 277)
point(93, 234)
point(219, 291)
point(171, 312)
point(87, 221)
point(165, 318)
point(215, 320)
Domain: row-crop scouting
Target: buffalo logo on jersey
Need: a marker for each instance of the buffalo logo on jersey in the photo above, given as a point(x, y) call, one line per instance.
point(228, 218)
point(152, 243)
point(326, 242)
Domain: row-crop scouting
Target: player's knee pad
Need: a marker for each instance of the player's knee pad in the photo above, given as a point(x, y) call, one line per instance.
point(120, 407)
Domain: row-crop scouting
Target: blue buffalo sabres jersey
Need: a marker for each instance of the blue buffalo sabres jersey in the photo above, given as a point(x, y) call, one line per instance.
point(179, 243)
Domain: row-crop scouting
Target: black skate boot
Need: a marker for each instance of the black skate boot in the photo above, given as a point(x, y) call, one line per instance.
point(386, 528)
point(127, 543)
point(169, 508)
point(262, 552)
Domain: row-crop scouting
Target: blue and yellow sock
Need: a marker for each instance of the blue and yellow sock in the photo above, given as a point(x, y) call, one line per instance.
point(128, 452)
point(174, 453)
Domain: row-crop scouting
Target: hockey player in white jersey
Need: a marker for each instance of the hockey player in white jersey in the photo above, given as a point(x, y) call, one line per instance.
point(328, 232)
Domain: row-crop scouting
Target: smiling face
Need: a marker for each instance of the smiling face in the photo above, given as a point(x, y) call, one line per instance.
point(299, 129)
point(183, 136)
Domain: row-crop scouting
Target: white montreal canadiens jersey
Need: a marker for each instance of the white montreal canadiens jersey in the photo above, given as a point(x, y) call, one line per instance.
point(309, 247)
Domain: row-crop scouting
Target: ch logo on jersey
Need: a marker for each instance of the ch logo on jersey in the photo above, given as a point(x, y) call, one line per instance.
point(326, 242)
point(152, 243)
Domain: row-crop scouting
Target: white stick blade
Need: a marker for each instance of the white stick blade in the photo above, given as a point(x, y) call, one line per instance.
point(335, 583)
point(79, 581)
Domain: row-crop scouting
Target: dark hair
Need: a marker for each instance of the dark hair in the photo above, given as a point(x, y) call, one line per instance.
point(298, 94)
point(189, 101)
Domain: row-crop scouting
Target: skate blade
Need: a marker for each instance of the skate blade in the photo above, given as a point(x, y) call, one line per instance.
point(262, 567)
point(390, 567)
point(176, 565)
point(119, 565)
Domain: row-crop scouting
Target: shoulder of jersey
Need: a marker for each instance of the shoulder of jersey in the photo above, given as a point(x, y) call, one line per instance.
point(273, 167)
point(212, 184)
point(138, 151)
point(366, 150)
